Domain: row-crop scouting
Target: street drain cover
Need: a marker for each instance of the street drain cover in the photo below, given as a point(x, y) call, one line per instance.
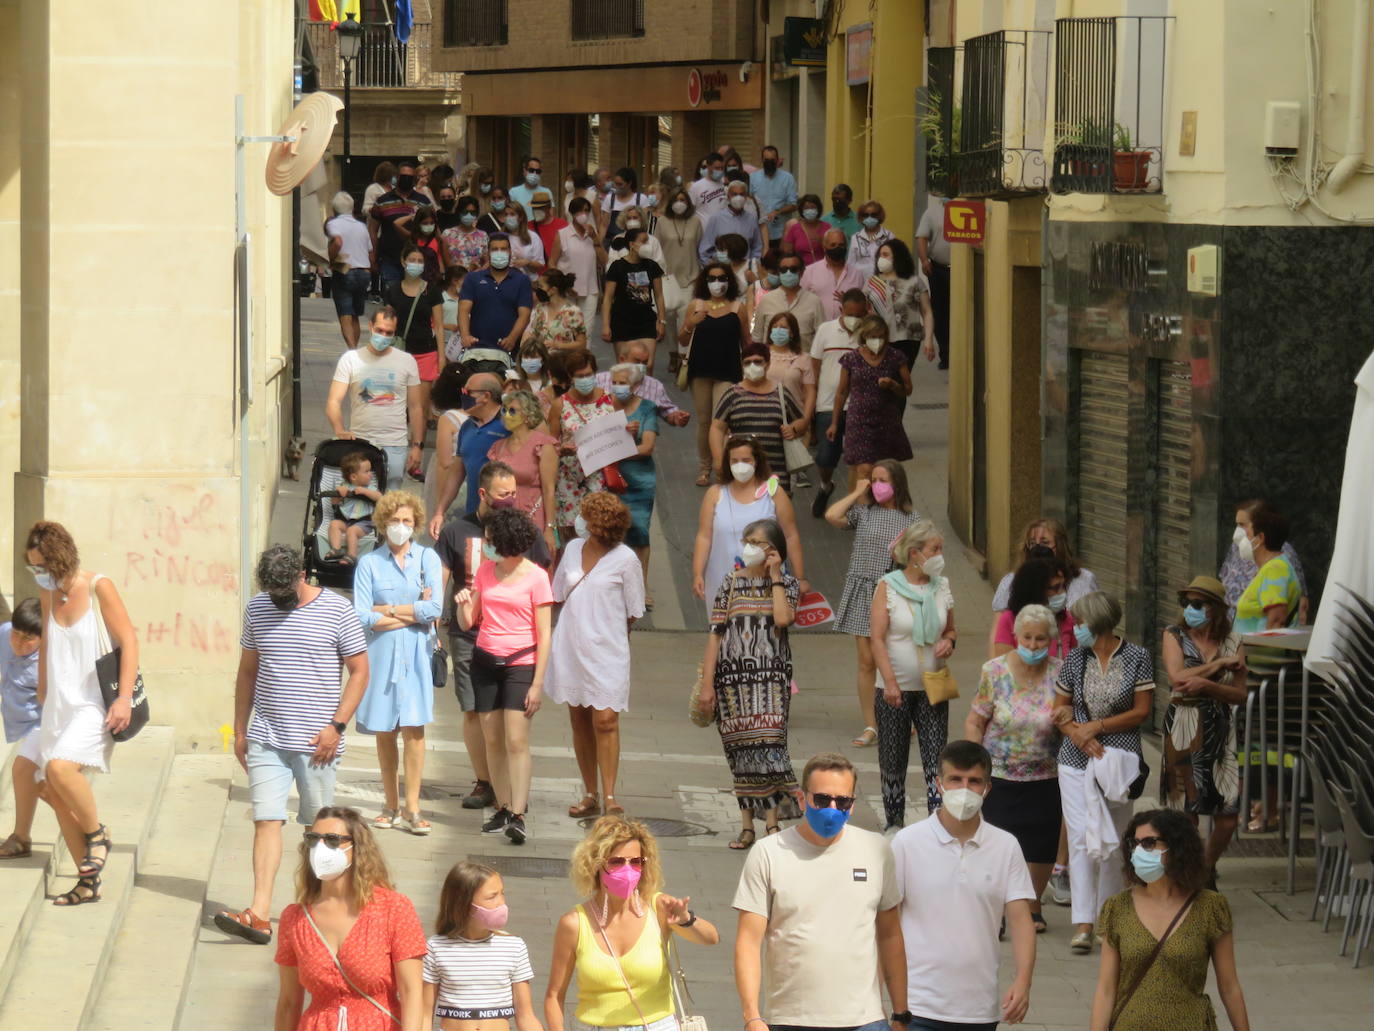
point(662, 827)
point(1267, 848)
point(523, 866)
point(371, 791)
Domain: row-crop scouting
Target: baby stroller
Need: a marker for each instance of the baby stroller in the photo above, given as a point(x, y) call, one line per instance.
point(325, 477)
point(480, 359)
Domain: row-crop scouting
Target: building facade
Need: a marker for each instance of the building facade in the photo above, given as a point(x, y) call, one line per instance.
point(587, 83)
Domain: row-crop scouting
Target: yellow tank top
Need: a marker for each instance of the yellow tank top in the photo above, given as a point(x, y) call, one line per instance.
point(601, 997)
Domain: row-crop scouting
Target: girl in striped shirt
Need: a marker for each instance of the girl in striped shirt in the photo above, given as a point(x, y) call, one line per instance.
point(477, 977)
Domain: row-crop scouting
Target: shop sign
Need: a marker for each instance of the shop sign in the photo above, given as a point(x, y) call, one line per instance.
point(965, 221)
point(858, 48)
point(705, 89)
point(803, 42)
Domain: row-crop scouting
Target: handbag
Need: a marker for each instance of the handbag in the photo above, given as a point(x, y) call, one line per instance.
point(438, 656)
point(344, 973)
point(794, 451)
point(684, 354)
point(685, 1021)
point(1159, 946)
point(107, 673)
point(940, 685)
point(615, 479)
point(700, 714)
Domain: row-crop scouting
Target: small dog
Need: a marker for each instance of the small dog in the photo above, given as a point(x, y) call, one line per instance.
point(291, 458)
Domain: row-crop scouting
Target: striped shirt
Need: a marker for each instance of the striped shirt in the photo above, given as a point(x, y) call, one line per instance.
point(300, 655)
point(760, 415)
point(475, 977)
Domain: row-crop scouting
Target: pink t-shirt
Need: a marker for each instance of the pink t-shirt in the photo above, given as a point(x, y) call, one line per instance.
point(508, 610)
point(1059, 647)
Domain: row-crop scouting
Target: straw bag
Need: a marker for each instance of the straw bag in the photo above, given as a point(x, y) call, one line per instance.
point(939, 685)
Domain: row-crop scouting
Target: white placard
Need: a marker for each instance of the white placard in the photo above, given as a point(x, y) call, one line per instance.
point(603, 440)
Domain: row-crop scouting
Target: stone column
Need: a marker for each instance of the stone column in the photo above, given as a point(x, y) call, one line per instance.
point(14, 583)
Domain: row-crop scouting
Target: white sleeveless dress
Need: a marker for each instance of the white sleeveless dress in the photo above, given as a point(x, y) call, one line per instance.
point(727, 527)
point(73, 723)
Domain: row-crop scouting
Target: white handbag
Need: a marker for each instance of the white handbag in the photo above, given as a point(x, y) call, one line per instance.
point(795, 451)
point(685, 1021)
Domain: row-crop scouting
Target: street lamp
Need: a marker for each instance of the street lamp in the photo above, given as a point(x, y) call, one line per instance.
point(350, 41)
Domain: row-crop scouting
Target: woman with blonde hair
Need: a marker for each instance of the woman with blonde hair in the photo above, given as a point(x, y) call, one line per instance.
point(616, 940)
point(911, 621)
point(533, 455)
point(1048, 538)
point(347, 908)
point(397, 595)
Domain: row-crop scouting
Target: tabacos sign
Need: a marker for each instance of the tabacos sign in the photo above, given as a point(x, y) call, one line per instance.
point(965, 221)
point(705, 88)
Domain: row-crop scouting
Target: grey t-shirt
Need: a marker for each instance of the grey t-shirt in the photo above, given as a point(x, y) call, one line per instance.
point(932, 228)
point(821, 962)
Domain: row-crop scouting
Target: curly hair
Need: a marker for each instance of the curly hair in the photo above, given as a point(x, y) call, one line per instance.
point(392, 502)
point(352, 462)
point(455, 898)
point(510, 531)
point(526, 403)
point(607, 835)
point(368, 865)
point(607, 517)
point(1030, 584)
point(1185, 863)
point(55, 544)
point(914, 538)
point(279, 567)
point(703, 292)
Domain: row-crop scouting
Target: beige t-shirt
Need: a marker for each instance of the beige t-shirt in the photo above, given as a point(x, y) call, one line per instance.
point(821, 963)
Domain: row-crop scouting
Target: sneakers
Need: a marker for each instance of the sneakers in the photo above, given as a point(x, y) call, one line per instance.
point(515, 829)
point(1059, 887)
point(821, 500)
point(1081, 943)
point(480, 796)
point(498, 822)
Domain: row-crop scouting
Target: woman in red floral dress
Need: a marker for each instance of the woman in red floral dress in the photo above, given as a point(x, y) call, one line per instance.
point(345, 899)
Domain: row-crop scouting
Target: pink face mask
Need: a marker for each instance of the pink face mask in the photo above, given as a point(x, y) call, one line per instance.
point(620, 881)
point(493, 918)
point(882, 491)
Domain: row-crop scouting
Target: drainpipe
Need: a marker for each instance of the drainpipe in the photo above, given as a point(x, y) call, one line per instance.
point(1354, 126)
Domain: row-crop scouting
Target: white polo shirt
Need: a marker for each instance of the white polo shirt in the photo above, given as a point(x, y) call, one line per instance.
point(953, 897)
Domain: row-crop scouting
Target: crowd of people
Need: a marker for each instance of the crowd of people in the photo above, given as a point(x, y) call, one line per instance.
point(794, 330)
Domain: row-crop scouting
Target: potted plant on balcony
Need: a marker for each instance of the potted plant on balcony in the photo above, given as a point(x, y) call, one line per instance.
point(940, 151)
point(1130, 166)
point(1083, 144)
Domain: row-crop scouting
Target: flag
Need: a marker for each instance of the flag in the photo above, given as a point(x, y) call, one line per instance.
point(335, 11)
point(405, 21)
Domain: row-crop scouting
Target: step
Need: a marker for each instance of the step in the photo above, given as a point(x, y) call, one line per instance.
point(164, 913)
point(55, 982)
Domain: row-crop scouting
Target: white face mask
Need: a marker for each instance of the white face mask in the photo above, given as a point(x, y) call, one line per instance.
point(754, 372)
point(884, 264)
point(737, 201)
point(751, 554)
point(580, 527)
point(850, 322)
point(633, 223)
point(568, 186)
point(743, 472)
point(962, 803)
point(874, 344)
point(329, 863)
point(398, 533)
point(582, 218)
point(717, 287)
point(933, 566)
point(679, 207)
point(1245, 546)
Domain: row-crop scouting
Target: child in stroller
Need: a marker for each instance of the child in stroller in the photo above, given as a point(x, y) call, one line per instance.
point(358, 495)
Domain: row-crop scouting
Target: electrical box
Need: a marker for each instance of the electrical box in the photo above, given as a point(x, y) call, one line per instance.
point(1202, 270)
point(1282, 128)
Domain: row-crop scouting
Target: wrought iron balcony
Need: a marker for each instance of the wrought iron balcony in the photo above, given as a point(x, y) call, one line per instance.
point(475, 23)
point(383, 62)
point(1001, 117)
point(937, 121)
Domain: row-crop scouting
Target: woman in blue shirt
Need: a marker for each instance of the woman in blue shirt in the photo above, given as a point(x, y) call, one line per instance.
point(398, 594)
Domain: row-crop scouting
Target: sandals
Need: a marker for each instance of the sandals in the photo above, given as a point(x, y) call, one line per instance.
point(334, 554)
point(1039, 920)
point(384, 820)
point(92, 865)
point(867, 739)
point(14, 847)
point(704, 479)
point(245, 924)
point(89, 884)
point(413, 822)
point(1081, 943)
point(746, 839)
point(772, 828)
point(589, 806)
point(613, 808)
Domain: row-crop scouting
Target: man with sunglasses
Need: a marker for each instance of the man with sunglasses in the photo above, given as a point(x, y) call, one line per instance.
point(823, 896)
point(958, 876)
point(482, 429)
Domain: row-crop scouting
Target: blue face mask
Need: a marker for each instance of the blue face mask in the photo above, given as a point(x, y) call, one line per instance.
point(415, 270)
point(810, 214)
point(621, 391)
point(718, 174)
point(499, 259)
point(780, 335)
point(531, 365)
point(380, 343)
point(825, 822)
point(488, 552)
point(468, 219)
point(1084, 636)
point(584, 384)
point(790, 278)
point(870, 222)
point(45, 581)
point(498, 205)
point(773, 279)
point(1032, 657)
point(1196, 617)
point(723, 257)
point(1057, 602)
point(1149, 866)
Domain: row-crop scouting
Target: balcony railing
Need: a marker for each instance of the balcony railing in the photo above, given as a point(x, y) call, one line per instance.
point(938, 120)
point(475, 23)
point(1109, 104)
point(607, 19)
point(1003, 98)
point(382, 62)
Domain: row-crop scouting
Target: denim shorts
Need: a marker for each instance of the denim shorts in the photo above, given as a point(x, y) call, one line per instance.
point(829, 452)
point(271, 772)
point(350, 291)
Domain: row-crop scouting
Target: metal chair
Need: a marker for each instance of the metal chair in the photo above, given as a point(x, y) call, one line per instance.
point(1330, 837)
point(1359, 844)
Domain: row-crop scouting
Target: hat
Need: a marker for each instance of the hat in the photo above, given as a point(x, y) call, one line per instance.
point(541, 199)
point(1207, 586)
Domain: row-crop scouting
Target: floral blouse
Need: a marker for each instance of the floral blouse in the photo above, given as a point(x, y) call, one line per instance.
point(556, 328)
point(898, 303)
point(1020, 736)
point(465, 247)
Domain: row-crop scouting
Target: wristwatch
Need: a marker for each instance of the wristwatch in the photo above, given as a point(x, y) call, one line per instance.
point(391, 611)
point(338, 725)
point(901, 1018)
point(691, 919)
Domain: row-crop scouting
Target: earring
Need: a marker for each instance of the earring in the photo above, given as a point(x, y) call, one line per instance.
point(605, 907)
point(636, 905)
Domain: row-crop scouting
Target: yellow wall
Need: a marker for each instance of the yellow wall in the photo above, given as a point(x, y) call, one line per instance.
point(10, 77)
point(876, 156)
point(129, 419)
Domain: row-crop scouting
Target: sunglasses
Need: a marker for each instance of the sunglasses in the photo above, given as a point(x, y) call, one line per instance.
point(332, 840)
point(615, 862)
point(1149, 844)
point(843, 803)
point(511, 411)
point(717, 279)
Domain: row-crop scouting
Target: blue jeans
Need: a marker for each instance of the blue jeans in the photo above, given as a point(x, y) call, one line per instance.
point(391, 273)
point(271, 772)
point(931, 1024)
point(350, 292)
point(877, 1025)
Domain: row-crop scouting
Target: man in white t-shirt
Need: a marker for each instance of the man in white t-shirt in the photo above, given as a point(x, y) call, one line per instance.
point(383, 388)
point(822, 896)
point(832, 340)
point(350, 261)
point(708, 192)
point(957, 876)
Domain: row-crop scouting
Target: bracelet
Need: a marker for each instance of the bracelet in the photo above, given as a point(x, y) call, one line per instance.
point(777, 583)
